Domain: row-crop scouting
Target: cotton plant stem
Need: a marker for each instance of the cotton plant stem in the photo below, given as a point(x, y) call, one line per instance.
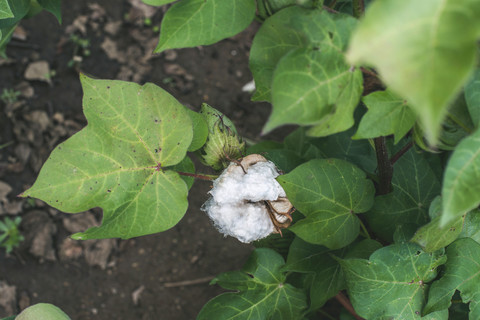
point(347, 305)
point(385, 167)
point(207, 177)
point(358, 8)
point(401, 152)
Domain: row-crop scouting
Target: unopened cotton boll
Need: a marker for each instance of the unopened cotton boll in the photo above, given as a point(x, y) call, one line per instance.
point(246, 198)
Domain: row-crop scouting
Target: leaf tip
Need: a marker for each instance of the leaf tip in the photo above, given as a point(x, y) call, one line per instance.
point(78, 236)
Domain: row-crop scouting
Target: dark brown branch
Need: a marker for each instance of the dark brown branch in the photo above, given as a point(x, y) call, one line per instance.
point(385, 168)
point(347, 305)
point(401, 152)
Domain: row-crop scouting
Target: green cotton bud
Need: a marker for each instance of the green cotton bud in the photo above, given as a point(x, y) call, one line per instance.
point(223, 142)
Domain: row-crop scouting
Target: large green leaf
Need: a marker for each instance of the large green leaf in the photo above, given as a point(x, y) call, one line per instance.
point(341, 146)
point(415, 185)
point(329, 192)
point(432, 236)
point(387, 114)
point(423, 50)
point(461, 190)
point(5, 11)
point(328, 278)
point(313, 85)
point(120, 161)
point(472, 96)
point(462, 273)
point(262, 292)
point(53, 6)
point(278, 35)
point(392, 284)
point(191, 23)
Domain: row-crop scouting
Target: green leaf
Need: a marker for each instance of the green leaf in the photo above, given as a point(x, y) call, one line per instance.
point(471, 226)
point(432, 236)
point(262, 292)
point(264, 146)
point(200, 130)
point(472, 96)
point(53, 6)
point(456, 126)
point(387, 114)
point(19, 8)
point(413, 43)
point(5, 35)
point(117, 162)
point(328, 278)
point(392, 283)
point(329, 192)
point(157, 2)
point(341, 146)
point(5, 11)
point(341, 117)
point(415, 185)
point(186, 165)
point(42, 311)
point(461, 190)
point(191, 23)
point(314, 85)
point(463, 274)
point(278, 35)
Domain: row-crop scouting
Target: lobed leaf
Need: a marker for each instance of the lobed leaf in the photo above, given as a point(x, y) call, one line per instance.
point(461, 190)
point(190, 23)
point(313, 85)
point(262, 292)
point(387, 114)
point(120, 161)
point(424, 51)
point(392, 284)
point(53, 6)
point(329, 192)
point(415, 185)
point(462, 273)
point(328, 278)
point(277, 36)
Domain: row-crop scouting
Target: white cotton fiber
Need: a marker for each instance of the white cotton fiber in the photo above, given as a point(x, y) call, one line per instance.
point(237, 206)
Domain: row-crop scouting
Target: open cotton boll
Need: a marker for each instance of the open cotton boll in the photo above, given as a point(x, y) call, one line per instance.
point(238, 206)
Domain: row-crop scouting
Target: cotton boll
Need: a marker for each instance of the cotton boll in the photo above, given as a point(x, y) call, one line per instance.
point(238, 206)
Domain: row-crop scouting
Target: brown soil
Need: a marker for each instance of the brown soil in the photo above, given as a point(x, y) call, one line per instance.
point(124, 279)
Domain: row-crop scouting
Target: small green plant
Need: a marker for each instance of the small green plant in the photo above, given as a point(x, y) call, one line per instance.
point(81, 49)
point(9, 96)
point(10, 236)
